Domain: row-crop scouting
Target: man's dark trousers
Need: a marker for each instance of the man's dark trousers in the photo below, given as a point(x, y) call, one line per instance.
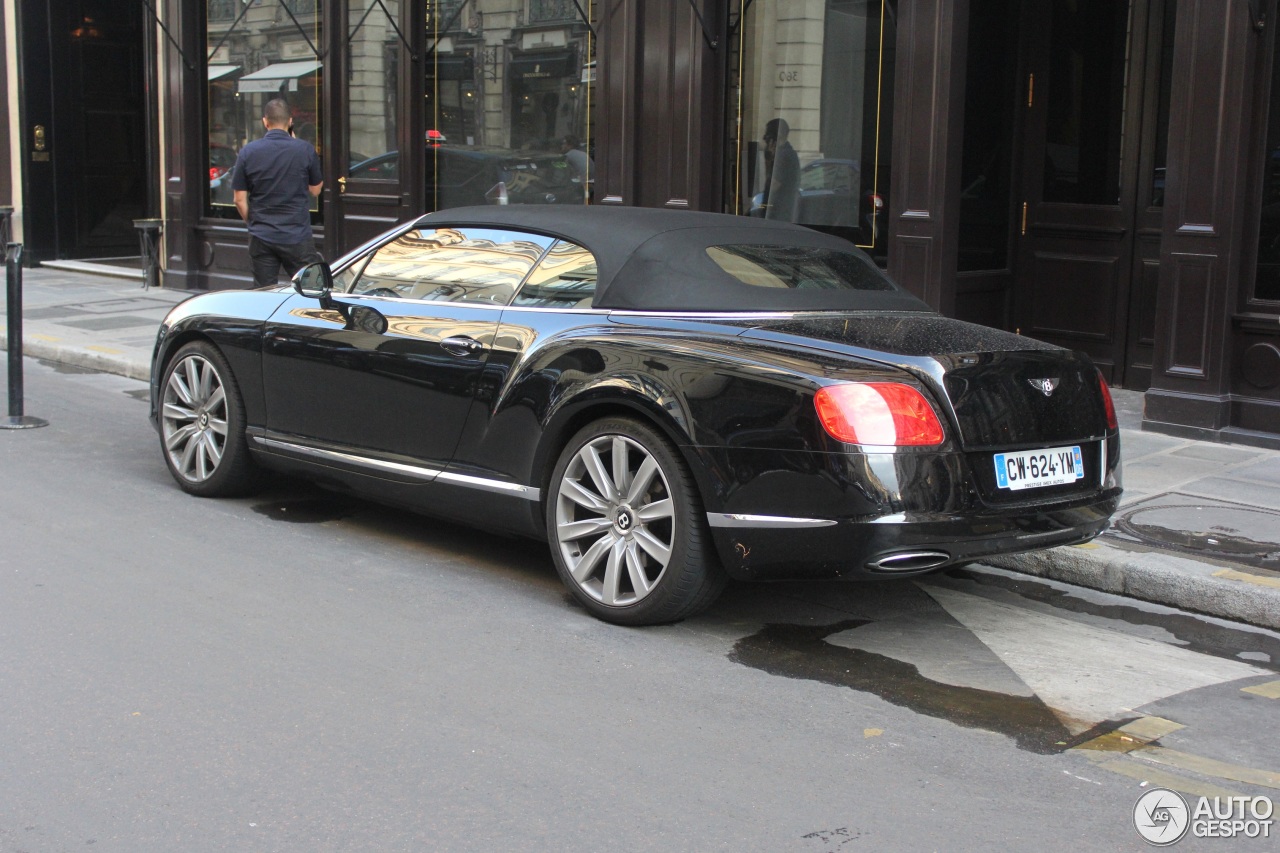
point(269, 258)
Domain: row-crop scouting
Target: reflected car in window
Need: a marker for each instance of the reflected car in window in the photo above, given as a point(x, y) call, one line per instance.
point(222, 160)
point(458, 177)
point(668, 399)
point(831, 196)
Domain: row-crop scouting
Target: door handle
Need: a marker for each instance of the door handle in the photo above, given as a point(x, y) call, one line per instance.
point(463, 346)
point(342, 185)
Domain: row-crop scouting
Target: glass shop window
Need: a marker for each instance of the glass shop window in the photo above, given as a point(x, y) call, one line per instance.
point(373, 91)
point(258, 51)
point(476, 265)
point(811, 102)
point(509, 90)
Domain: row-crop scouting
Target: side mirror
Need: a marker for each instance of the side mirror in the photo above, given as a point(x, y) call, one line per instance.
point(313, 280)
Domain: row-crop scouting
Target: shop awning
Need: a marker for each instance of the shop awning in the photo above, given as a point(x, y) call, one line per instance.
point(280, 74)
point(533, 66)
point(217, 72)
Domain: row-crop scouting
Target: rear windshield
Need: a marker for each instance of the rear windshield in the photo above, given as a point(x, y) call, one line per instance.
point(799, 268)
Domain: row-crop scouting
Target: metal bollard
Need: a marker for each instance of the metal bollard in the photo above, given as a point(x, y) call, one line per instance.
point(149, 240)
point(13, 275)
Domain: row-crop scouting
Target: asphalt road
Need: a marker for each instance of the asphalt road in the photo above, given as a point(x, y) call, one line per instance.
point(302, 671)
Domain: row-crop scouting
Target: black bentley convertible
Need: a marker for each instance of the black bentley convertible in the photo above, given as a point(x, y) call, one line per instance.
point(669, 399)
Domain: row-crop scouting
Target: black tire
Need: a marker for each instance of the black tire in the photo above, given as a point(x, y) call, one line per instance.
point(202, 424)
point(639, 555)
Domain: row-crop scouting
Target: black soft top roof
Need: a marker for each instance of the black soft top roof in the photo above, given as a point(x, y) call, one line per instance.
point(656, 260)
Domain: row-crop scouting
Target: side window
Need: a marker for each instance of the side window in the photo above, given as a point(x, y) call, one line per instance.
point(566, 278)
point(479, 265)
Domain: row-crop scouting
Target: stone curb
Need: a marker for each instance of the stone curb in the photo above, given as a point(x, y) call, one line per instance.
point(119, 365)
point(1157, 577)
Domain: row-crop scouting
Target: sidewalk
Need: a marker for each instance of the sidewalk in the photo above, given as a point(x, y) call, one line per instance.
point(1199, 528)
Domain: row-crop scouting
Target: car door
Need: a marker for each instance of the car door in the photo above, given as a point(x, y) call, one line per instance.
point(387, 367)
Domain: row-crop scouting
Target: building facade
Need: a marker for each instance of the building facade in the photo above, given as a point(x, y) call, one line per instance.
point(1101, 174)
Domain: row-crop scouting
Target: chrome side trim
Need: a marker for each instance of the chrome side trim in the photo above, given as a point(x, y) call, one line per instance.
point(426, 475)
point(1102, 475)
point(729, 519)
point(514, 489)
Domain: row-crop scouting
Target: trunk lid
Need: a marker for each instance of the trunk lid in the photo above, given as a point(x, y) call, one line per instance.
point(993, 383)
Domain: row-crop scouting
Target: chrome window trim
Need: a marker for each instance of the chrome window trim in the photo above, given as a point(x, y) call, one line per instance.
point(714, 315)
point(732, 519)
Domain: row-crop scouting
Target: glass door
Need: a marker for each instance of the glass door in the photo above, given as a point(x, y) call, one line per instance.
point(375, 170)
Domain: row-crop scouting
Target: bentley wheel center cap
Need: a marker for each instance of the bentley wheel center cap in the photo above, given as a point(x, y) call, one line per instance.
point(204, 420)
point(625, 521)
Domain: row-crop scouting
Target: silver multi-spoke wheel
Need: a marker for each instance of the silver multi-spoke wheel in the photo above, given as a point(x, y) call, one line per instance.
point(202, 424)
point(615, 521)
point(193, 418)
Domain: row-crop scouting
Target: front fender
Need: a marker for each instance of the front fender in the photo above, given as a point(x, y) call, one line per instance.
point(232, 320)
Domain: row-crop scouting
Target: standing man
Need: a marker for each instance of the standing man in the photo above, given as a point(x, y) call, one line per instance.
point(580, 166)
point(275, 178)
point(782, 188)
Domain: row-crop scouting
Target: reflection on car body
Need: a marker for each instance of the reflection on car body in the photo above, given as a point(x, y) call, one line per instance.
point(669, 399)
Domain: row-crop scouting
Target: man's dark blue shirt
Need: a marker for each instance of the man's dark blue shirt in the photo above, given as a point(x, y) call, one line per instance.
point(277, 171)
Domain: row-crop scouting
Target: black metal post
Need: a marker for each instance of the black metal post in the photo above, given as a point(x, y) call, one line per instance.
point(149, 241)
point(13, 277)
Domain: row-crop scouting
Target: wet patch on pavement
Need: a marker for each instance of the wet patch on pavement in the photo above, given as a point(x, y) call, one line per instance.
point(69, 369)
point(805, 652)
point(1197, 633)
point(309, 510)
point(1204, 527)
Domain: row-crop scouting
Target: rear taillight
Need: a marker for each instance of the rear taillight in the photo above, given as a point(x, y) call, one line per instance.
point(214, 173)
point(1107, 403)
point(885, 413)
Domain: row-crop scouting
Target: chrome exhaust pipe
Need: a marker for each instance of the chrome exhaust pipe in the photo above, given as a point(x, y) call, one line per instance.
point(909, 561)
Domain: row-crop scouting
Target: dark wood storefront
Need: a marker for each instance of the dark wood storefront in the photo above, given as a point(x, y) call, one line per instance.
point(1116, 215)
point(1034, 185)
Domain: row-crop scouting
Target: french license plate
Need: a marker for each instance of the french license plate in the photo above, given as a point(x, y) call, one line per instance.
point(1031, 469)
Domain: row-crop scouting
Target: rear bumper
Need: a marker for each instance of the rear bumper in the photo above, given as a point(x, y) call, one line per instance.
point(789, 515)
point(915, 543)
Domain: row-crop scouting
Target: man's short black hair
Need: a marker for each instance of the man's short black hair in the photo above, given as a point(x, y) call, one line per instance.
point(571, 140)
point(277, 112)
point(777, 129)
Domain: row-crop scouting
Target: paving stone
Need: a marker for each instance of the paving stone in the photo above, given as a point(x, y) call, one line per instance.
point(1223, 453)
point(1238, 491)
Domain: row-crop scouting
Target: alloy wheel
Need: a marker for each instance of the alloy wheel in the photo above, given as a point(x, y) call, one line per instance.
point(194, 418)
point(615, 520)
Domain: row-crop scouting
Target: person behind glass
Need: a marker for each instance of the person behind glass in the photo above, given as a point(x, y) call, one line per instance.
point(580, 166)
point(274, 180)
point(782, 177)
